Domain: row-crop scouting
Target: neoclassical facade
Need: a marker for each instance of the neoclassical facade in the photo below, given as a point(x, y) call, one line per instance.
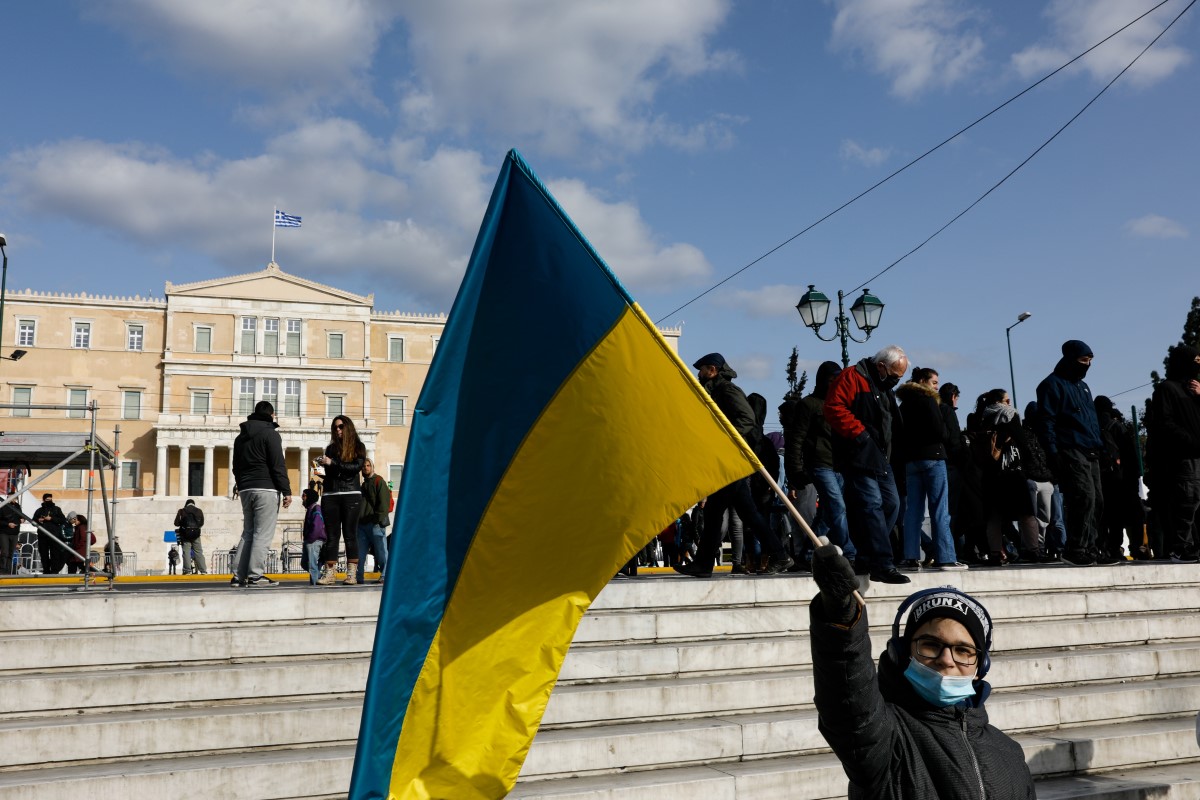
point(178, 375)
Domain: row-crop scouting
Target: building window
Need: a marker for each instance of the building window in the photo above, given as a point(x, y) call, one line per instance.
point(201, 402)
point(395, 348)
point(129, 474)
point(134, 337)
point(203, 339)
point(249, 335)
point(335, 404)
point(292, 346)
point(22, 395)
point(395, 473)
point(436, 340)
point(271, 392)
point(133, 405)
point(246, 395)
point(335, 345)
point(395, 415)
point(77, 397)
point(26, 332)
point(73, 478)
point(83, 335)
point(271, 337)
point(291, 398)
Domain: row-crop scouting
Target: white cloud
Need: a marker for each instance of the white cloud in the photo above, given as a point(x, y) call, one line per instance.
point(297, 51)
point(559, 72)
point(917, 44)
point(757, 367)
point(626, 243)
point(381, 208)
point(777, 300)
point(1078, 24)
point(867, 156)
point(1153, 226)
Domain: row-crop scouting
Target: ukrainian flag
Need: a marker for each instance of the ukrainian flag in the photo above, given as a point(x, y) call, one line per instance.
point(555, 420)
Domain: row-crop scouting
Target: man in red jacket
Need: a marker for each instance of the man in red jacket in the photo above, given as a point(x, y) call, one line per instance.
point(862, 413)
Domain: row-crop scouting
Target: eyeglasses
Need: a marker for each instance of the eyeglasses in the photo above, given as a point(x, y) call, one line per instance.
point(931, 648)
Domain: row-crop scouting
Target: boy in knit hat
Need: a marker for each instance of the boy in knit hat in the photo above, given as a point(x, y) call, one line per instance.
point(917, 728)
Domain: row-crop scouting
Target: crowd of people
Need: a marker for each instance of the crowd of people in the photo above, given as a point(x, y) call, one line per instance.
point(881, 445)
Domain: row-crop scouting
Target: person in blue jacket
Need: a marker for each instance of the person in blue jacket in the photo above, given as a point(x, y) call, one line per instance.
point(1070, 434)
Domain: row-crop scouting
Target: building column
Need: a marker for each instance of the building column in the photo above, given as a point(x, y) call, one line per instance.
point(229, 481)
point(160, 472)
point(184, 459)
point(207, 490)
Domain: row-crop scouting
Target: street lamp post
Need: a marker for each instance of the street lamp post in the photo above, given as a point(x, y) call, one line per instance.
point(867, 311)
point(1024, 315)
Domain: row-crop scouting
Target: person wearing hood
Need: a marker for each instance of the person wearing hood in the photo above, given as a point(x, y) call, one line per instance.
point(808, 458)
point(1007, 460)
point(1123, 513)
point(716, 376)
point(1070, 434)
point(864, 419)
point(923, 451)
point(916, 727)
point(1175, 455)
point(261, 475)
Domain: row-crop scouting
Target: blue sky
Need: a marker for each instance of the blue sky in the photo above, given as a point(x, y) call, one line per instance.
point(149, 140)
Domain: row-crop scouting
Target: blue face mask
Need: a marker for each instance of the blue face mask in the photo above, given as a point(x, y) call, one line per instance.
point(938, 689)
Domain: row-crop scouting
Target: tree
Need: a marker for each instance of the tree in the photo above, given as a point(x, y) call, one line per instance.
point(795, 385)
point(1190, 338)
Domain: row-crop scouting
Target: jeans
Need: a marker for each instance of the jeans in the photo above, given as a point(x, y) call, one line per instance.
point(312, 554)
point(736, 532)
point(1043, 507)
point(878, 505)
point(372, 538)
point(1079, 478)
point(831, 514)
point(1056, 534)
point(926, 481)
point(260, 509)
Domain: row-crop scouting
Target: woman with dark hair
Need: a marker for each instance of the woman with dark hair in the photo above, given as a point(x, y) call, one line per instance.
point(341, 498)
point(81, 542)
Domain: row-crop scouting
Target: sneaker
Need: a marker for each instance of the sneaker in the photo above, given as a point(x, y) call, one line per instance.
point(950, 566)
point(1045, 557)
point(1184, 558)
point(261, 580)
point(779, 564)
point(1108, 558)
point(739, 569)
point(909, 565)
point(350, 579)
point(890, 576)
point(1078, 558)
point(694, 570)
point(327, 577)
point(234, 583)
point(929, 563)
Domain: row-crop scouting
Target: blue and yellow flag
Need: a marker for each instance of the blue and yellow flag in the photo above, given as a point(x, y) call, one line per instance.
point(555, 418)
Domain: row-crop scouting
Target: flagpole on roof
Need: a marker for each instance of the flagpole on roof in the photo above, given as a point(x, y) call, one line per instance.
point(274, 214)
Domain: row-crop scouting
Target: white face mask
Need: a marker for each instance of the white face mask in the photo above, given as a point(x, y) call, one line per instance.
point(938, 689)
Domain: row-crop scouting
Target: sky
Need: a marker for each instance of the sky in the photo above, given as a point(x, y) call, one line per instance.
point(145, 141)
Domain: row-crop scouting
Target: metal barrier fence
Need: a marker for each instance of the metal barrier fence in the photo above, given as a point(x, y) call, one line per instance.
point(28, 561)
point(221, 561)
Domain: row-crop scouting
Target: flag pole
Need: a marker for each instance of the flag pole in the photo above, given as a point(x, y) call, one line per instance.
point(273, 215)
point(816, 540)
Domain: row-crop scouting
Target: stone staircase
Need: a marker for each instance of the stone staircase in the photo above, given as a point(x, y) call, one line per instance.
point(674, 688)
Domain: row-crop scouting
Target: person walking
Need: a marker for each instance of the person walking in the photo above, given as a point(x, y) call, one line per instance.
point(1175, 454)
point(261, 475)
point(716, 376)
point(341, 499)
point(864, 418)
point(189, 521)
point(808, 459)
point(374, 520)
point(923, 451)
point(1070, 434)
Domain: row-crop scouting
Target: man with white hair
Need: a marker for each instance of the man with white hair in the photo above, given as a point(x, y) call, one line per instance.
point(861, 411)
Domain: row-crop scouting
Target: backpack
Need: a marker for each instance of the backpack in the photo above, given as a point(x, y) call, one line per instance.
point(189, 529)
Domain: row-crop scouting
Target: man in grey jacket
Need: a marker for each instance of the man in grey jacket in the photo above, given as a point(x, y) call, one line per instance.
point(258, 468)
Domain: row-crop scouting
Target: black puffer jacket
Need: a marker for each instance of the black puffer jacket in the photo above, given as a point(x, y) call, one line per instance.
point(258, 456)
point(892, 744)
point(923, 436)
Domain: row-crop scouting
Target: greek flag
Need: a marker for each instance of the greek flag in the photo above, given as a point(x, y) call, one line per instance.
point(283, 220)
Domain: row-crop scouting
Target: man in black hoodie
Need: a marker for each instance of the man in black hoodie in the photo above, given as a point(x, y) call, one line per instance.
point(717, 378)
point(1070, 434)
point(1175, 450)
point(50, 517)
point(258, 468)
